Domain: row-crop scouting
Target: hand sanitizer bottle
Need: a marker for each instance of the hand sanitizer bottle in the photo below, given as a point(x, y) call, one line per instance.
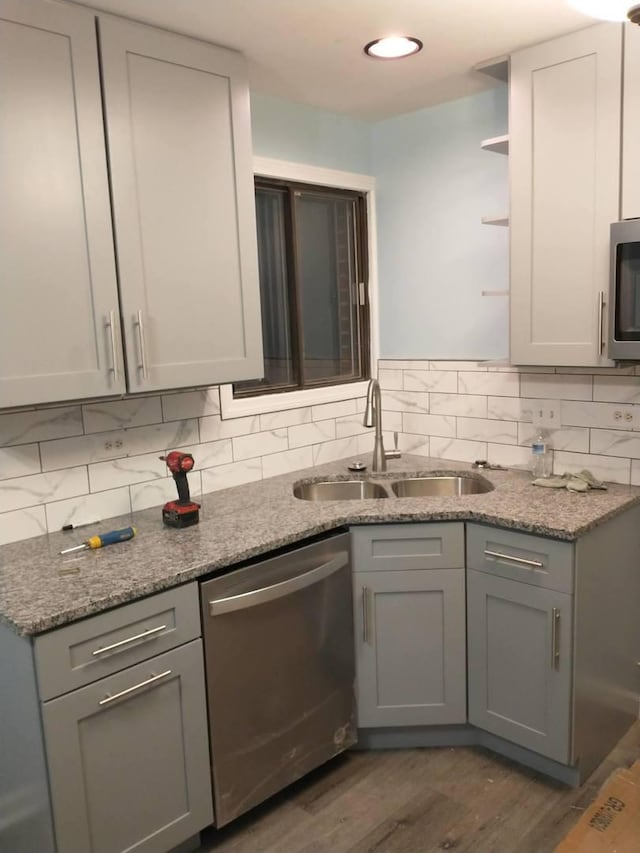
point(541, 457)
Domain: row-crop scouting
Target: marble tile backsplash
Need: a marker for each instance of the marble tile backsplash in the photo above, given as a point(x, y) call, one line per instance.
point(87, 462)
point(477, 410)
point(84, 463)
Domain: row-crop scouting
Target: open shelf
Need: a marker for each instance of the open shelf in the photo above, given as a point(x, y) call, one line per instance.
point(502, 219)
point(499, 144)
point(497, 68)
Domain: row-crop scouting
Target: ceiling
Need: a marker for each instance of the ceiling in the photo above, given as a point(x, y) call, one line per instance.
point(310, 51)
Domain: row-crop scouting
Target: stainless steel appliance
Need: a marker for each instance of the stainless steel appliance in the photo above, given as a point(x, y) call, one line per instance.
point(624, 291)
point(280, 671)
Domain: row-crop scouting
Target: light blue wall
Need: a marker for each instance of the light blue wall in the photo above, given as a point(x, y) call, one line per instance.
point(303, 134)
point(434, 184)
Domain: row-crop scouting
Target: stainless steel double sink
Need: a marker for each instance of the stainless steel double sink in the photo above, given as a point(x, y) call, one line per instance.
point(436, 485)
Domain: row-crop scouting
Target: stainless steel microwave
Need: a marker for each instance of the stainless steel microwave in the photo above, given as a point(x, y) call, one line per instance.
point(624, 291)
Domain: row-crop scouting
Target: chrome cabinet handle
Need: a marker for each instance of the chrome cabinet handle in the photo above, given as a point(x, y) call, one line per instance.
point(143, 359)
point(135, 687)
point(143, 636)
point(365, 614)
point(277, 590)
point(555, 638)
point(534, 564)
point(600, 321)
point(368, 636)
point(114, 358)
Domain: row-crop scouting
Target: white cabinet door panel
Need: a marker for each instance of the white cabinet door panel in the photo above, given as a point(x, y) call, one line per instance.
point(57, 271)
point(178, 128)
point(631, 124)
point(564, 159)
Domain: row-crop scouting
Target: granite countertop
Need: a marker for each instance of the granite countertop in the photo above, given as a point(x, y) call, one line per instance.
point(246, 521)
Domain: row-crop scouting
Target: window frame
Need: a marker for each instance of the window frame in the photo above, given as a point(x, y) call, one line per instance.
point(289, 190)
point(232, 407)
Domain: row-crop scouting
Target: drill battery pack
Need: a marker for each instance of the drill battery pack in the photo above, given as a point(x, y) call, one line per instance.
point(175, 514)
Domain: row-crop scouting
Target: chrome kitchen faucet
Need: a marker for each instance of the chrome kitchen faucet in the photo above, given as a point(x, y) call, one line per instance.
point(373, 418)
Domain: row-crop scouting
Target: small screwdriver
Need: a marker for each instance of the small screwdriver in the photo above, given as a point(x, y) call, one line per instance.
point(104, 539)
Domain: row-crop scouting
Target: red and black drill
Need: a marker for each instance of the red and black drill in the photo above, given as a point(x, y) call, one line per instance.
point(183, 512)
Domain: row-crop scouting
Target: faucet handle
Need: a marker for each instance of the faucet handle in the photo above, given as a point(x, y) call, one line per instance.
point(395, 453)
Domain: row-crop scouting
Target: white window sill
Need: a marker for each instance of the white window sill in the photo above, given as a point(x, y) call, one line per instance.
point(247, 406)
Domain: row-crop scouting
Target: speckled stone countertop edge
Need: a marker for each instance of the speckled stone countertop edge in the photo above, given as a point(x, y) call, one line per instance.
point(249, 521)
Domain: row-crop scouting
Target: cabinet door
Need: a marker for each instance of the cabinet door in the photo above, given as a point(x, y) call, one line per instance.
point(564, 159)
point(410, 647)
point(520, 663)
point(631, 124)
point(129, 758)
point(59, 321)
point(178, 127)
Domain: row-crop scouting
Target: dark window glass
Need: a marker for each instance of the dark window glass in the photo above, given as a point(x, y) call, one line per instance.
point(627, 312)
point(312, 265)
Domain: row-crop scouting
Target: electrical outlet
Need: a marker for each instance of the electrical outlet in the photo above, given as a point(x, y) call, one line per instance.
point(111, 446)
point(546, 413)
point(623, 417)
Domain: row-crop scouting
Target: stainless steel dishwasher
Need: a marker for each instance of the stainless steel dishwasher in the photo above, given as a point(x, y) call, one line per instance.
point(280, 671)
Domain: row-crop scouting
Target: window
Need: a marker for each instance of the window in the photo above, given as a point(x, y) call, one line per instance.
point(312, 260)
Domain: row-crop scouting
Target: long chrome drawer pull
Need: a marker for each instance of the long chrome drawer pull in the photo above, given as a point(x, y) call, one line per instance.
point(143, 636)
point(535, 564)
point(365, 614)
point(135, 687)
point(278, 590)
point(555, 638)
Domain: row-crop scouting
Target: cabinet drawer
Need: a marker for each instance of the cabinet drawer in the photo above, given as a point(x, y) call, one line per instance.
point(401, 547)
point(521, 557)
point(82, 652)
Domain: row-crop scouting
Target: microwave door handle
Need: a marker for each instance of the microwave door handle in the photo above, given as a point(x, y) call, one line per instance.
point(278, 590)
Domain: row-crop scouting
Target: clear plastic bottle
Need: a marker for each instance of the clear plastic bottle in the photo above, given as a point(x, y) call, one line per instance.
point(541, 456)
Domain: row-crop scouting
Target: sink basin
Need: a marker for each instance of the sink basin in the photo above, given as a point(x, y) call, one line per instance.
point(440, 486)
point(343, 490)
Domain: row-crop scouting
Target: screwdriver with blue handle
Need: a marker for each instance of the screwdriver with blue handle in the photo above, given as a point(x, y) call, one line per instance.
point(103, 539)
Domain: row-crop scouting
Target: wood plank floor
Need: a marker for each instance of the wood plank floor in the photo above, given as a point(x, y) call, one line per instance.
point(419, 801)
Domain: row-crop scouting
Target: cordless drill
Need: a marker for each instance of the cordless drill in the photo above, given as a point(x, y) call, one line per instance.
point(183, 512)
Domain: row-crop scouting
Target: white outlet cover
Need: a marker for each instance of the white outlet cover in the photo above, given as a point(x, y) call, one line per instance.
point(108, 445)
point(546, 414)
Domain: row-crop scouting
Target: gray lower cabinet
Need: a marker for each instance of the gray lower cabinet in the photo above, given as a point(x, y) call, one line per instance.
point(520, 638)
point(520, 669)
point(104, 735)
point(409, 600)
point(543, 645)
point(128, 758)
point(553, 636)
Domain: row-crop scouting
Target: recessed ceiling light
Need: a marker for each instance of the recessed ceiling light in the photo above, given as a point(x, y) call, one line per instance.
point(607, 10)
point(392, 47)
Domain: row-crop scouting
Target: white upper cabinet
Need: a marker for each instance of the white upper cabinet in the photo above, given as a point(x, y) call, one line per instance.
point(179, 160)
point(564, 157)
point(631, 124)
point(178, 129)
point(59, 315)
